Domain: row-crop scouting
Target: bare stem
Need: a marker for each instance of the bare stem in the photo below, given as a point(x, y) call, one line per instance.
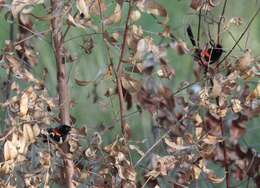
point(119, 74)
point(226, 165)
point(220, 20)
point(63, 90)
point(241, 36)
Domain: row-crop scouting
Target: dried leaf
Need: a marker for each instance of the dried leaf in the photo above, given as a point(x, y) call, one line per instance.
point(204, 97)
point(135, 15)
point(173, 147)
point(83, 82)
point(217, 88)
point(198, 169)
point(204, 5)
point(165, 70)
point(162, 165)
point(130, 84)
point(19, 5)
point(236, 21)
point(180, 47)
point(236, 105)
point(24, 104)
point(210, 139)
point(115, 17)
point(45, 159)
point(198, 132)
point(152, 7)
point(245, 61)
point(28, 133)
point(10, 151)
point(72, 21)
point(214, 179)
point(197, 118)
point(83, 8)
point(136, 148)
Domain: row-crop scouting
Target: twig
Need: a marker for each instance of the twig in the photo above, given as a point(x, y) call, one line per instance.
point(148, 179)
point(119, 73)
point(151, 148)
point(226, 165)
point(185, 87)
point(241, 36)
point(6, 134)
point(10, 73)
point(31, 36)
point(198, 34)
point(220, 20)
point(232, 36)
point(63, 91)
point(68, 28)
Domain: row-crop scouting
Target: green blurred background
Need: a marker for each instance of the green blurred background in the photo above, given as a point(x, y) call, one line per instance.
point(105, 111)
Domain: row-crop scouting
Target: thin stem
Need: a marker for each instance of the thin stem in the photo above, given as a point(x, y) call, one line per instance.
point(241, 36)
point(151, 148)
point(226, 165)
point(232, 36)
point(68, 28)
point(198, 34)
point(119, 74)
point(220, 20)
point(185, 87)
point(63, 90)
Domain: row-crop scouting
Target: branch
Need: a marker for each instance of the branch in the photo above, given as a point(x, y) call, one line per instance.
point(226, 165)
point(241, 36)
point(220, 20)
point(151, 148)
point(63, 91)
point(119, 74)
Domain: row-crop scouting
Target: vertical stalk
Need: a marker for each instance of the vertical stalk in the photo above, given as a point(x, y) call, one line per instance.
point(119, 74)
point(226, 165)
point(63, 90)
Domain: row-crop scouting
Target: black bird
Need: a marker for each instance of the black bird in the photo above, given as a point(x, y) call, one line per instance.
point(59, 133)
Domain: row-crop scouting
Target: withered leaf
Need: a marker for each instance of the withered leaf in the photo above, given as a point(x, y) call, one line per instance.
point(24, 104)
point(83, 82)
point(162, 165)
point(214, 179)
point(173, 147)
point(236, 21)
point(115, 17)
point(217, 88)
point(10, 151)
point(130, 84)
point(137, 149)
point(210, 139)
point(135, 15)
point(71, 21)
point(83, 8)
point(152, 7)
point(180, 47)
point(245, 61)
point(165, 70)
point(19, 5)
point(28, 133)
point(204, 5)
point(236, 105)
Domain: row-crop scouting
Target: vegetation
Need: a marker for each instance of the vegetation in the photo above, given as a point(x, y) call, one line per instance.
point(134, 93)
